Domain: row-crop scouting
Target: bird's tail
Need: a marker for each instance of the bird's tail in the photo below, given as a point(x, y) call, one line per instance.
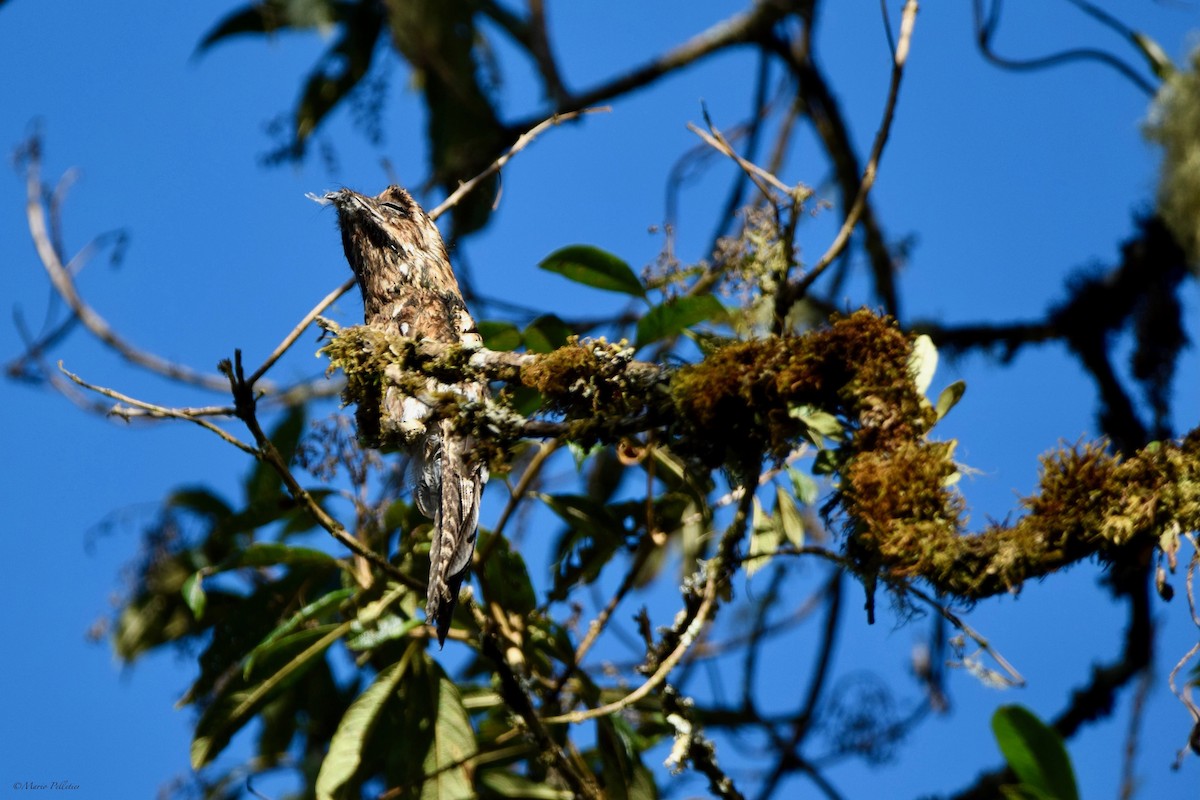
point(449, 484)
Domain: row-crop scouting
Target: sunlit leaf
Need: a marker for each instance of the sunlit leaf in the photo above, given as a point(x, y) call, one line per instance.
point(922, 362)
point(1155, 56)
point(451, 744)
point(386, 628)
point(765, 537)
point(803, 486)
point(787, 516)
point(819, 425)
point(313, 610)
point(346, 747)
point(592, 266)
point(949, 398)
point(193, 594)
point(1035, 752)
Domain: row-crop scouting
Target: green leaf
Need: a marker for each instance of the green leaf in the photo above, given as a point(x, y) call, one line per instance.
point(819, 425)
point(518, 787)
point(765, 537)
point(1034, 752)
point(502, 336)
point(546, 334)
point(787, 516)
point(827, 462)
point(268, 657)
point(338, 71)
point(949, 398)
point(592, 266)
point(1155, 56)
point(624, 775)
point(266, 554)
point(452, 746)
point(193, 593)
point(239, 701)
point(922, 362)
point(310, 611)
point(386, 628)
point(804, 487)
point(675, 315)
point(593, 537)
point(202, 501)
point(507, 578)
point(346, 748)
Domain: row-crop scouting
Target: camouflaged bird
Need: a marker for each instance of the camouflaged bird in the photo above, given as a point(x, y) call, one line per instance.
point(409, 289)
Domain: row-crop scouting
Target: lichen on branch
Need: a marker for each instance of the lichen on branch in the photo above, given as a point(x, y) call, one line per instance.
point(894, 497)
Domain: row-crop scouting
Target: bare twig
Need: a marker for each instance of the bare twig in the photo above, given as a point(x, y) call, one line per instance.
point(64, 284)
point(245, 404)
point(986, 29)
point(158, 411)
point(1012, 677)
point(291, 338)
point(907, 21)
point(754, 172)
point(522, 142)
point(748, 26)
point(686, 630)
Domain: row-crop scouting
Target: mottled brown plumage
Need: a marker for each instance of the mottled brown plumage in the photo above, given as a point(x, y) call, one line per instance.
point(409, 289)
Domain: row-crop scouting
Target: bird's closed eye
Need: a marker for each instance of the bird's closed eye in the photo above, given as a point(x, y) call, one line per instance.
point(398, 209)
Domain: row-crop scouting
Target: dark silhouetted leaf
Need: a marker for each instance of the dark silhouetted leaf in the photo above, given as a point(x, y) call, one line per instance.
point(265, 554)
point(594, 534)
point(270, 16)
point(507, 577)
point(238, 701)
point(502, 336)
point(546, 334)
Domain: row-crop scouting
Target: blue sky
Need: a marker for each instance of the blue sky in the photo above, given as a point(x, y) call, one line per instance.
point(1008, 181)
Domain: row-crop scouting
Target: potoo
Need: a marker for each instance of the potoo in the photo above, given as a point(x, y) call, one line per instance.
point(409, 289)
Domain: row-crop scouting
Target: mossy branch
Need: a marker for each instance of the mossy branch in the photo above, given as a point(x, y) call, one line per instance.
point(895, 496)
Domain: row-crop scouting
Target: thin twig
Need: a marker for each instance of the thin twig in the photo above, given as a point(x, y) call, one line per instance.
point(686, 630)
point(527, 477)
point(522, 142)
point(985, 30)
point(159, 411)
point(907, 21)
point(291, 338)
point(245, 402)
point(749, 26)
point(1014, 678)
point(753, 171)
point(64, 284)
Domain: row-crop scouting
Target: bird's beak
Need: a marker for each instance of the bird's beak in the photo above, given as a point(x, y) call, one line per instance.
point(339, 199)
